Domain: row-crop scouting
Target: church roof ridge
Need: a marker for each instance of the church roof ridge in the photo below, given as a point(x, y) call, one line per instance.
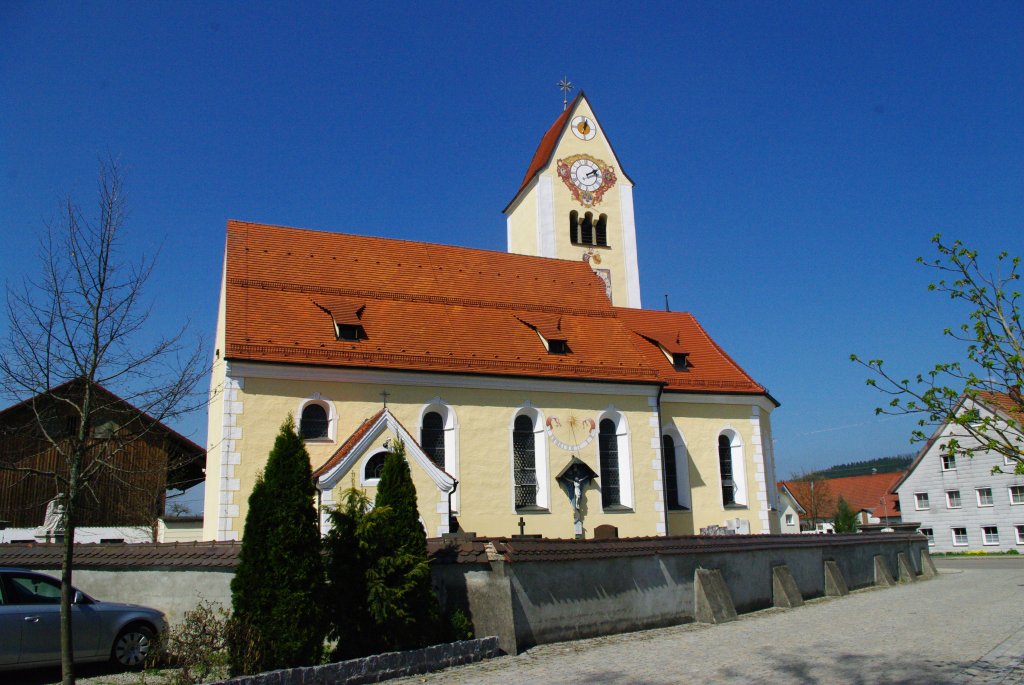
point(406, 241)
point(410, 297)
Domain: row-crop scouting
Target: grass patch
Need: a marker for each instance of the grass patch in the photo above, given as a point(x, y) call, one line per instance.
point(977, 553)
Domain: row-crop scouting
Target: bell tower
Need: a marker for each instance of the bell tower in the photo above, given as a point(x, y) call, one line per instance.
point(576, 203)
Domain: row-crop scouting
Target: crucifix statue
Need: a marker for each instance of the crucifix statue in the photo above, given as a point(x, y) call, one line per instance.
point(574, 479)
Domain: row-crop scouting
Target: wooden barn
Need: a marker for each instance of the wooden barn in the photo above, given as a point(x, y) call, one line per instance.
point(131, 460)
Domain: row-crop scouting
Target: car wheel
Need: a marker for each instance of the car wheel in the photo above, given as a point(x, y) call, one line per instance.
point(133, 645)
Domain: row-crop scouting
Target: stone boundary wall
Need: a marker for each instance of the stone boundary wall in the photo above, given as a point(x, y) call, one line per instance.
point(373, 669)
point(530, 592)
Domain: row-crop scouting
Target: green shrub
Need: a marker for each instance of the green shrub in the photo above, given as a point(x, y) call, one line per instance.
point(197, 646)
point(459, 626)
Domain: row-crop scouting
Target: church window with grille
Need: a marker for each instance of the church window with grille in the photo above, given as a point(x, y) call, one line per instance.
point(725, 468)
point(432, 438)
point(608, 447)
point(313, 424)
point(524, 462)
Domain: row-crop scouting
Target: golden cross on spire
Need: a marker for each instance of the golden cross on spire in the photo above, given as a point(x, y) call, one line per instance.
point(565, 86)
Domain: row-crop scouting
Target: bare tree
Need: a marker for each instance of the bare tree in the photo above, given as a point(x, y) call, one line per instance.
point(815, 495)
point(77, 327)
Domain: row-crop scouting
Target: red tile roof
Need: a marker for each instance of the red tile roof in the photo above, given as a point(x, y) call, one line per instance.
point(1009, 405)
point(427, 307)
point(860, 492)
point(710, 368)
point(154, 555)
point(547, 144)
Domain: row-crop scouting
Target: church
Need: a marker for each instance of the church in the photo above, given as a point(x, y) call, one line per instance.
point(532, 392)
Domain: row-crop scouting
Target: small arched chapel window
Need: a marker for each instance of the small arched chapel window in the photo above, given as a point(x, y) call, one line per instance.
point(725, 467)
point(374, 466)
point(313, 424)
point(432, 438)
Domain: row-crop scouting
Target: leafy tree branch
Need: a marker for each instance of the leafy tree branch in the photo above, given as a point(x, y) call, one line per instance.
point(978, 396)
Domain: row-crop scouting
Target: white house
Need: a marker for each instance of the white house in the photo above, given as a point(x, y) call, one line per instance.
point(959, 502)
point(789, 511)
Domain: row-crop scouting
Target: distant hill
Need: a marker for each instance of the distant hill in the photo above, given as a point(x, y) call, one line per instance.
point(896, 462)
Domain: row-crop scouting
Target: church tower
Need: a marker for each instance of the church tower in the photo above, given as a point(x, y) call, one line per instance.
point(576, 202)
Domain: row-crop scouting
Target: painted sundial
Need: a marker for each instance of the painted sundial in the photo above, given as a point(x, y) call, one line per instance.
point(571, 435)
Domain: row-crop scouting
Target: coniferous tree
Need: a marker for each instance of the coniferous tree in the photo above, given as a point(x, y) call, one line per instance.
point(845, 520)
point(400, 600)
point(278, 585)
point(346, 563)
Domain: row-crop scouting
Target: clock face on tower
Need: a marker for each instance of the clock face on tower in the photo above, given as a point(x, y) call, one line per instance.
point(583, 128)
point(586, 177)
point(585, 174)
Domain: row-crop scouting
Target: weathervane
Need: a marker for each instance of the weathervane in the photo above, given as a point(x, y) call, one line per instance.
point(565, 86)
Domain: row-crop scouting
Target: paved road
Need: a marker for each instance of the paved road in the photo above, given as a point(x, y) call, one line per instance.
point(964, 627)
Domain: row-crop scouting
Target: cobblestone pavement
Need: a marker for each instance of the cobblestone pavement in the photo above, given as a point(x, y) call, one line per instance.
point(965, 627)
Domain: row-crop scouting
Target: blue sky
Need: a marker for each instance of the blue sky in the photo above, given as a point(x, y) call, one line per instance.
point(791, 160)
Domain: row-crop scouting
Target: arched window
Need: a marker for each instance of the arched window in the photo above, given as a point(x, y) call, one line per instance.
point(601, 231)
point(677, 477)
point(374, 467)
point(608, 448)
point(574, 227)
point(313, 424)
point(725, 469)
point(668, 446)
point(524, 459)
point(432, 438)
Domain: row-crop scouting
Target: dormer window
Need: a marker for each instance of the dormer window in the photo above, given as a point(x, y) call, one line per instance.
point(671, 346)
point(558, 347)
point(347, 316)
point(548, 328)
point(352, 332)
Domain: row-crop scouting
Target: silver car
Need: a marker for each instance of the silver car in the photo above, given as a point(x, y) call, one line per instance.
point(30, 625)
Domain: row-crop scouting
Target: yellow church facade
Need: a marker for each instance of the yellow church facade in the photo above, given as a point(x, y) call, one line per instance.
point(532, 393)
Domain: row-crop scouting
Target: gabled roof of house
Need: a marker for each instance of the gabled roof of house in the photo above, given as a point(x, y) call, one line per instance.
point(542, 157)
point(784, 489)
point(437, 308)
point(109, 403)
point(999, 402)
point(356, 445)
point(863, 493)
